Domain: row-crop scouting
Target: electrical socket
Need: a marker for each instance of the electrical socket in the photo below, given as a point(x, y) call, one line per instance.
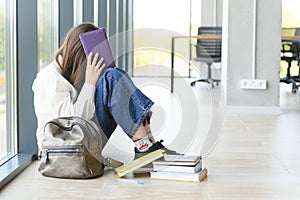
point(254, 84)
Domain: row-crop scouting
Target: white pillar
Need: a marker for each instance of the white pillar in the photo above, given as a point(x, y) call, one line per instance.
point(238, 59)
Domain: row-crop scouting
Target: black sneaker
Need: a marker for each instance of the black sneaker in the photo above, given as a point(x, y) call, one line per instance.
point(154, 147)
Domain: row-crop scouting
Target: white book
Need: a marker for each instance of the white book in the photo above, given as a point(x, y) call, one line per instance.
point(180, 176)
point(178, 160)
point(178, 168)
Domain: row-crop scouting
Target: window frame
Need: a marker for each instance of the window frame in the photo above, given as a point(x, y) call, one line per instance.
point(11, 88)
point(25, 68)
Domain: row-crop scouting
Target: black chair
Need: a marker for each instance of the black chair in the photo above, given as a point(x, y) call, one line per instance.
point(289, 53)
point(209, 52)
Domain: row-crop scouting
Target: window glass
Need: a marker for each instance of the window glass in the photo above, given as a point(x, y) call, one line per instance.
point(290, 13)
point(290, 19)
point(47, 30)
point(3, 115)
point(152, 48)
point(44, 31)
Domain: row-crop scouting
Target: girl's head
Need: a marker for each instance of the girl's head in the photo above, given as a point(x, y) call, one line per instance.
point(71, 56)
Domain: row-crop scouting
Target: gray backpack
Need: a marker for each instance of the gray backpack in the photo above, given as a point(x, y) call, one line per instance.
point(72, 148)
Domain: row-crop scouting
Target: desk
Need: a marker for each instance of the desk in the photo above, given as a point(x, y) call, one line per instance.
point(218, 37)
point(295, 38)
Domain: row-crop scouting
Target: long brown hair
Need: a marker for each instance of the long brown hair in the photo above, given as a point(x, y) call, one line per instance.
point(70, 55)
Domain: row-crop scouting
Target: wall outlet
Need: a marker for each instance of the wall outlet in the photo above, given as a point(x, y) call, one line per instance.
point(254, 84)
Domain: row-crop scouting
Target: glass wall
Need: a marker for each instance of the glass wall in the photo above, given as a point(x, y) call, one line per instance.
point(3, 145)
point(47, 30)
point(290, 13)
point(155, 22)
point(290, 19)
point(8, 106)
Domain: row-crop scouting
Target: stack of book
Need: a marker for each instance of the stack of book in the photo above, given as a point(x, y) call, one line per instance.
point(179, 167)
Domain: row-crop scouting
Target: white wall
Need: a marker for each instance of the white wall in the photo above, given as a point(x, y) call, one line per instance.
point(237, 52)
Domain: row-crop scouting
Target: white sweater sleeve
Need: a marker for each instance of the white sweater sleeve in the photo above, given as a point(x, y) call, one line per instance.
point(56, 97)
point(85, 105)
point(62, 101)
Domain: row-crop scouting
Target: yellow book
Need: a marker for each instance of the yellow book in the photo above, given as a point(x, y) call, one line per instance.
point(140, 162)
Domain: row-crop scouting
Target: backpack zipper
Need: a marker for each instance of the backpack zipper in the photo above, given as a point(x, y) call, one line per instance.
point(65, 151)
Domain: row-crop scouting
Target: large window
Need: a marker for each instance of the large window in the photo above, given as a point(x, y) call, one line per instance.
point(290, 13)
point(47, 30)
point(290, 19)
point(152, 47)
point(7, 81)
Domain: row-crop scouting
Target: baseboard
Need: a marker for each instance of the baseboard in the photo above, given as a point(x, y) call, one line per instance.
point(253, 110)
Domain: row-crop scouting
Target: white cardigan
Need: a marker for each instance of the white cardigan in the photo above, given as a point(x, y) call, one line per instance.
point(55, 97)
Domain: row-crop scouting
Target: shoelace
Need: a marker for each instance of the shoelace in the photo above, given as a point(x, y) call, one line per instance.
point(159, 145)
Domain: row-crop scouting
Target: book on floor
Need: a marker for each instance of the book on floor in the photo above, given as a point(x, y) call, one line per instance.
point(186, 160)
point(96, 41)
point(140, 162)
point(180, 176)
point(190, 168)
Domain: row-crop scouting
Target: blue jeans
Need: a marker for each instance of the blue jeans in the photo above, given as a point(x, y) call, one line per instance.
point(119, 102)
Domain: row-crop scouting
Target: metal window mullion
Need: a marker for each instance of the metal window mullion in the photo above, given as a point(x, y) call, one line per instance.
point(11, 77)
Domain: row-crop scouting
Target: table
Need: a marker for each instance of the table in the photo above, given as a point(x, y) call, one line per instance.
point(295, 38)
point(218, 37)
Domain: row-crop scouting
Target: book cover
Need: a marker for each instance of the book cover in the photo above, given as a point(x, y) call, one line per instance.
point(178, 168)
point(140, 162)
point(96, 41)
point(178, 160)
point(180, 176)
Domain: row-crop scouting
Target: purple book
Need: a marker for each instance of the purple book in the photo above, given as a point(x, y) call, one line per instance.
point(96, 42)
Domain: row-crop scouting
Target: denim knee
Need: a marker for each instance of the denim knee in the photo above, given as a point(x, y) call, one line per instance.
point(114, 73)
point(119, 101)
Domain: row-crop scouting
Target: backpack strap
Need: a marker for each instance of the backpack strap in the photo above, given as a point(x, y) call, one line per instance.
point(109, 162)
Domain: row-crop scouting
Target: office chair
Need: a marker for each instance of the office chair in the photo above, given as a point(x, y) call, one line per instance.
point(209, 52)
point(289, 53)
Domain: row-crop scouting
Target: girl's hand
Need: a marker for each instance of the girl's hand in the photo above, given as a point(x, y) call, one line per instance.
point(94, 68)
